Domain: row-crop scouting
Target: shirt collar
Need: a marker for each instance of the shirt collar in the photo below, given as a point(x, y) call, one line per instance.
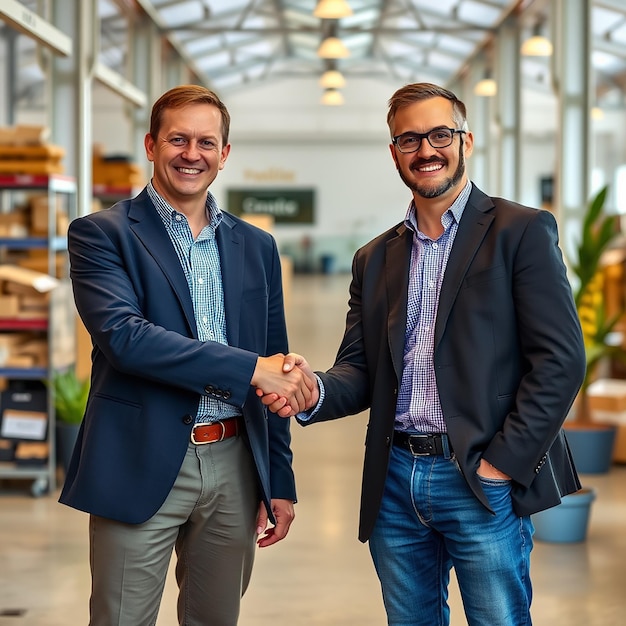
point(454, 212)
point(168, 213)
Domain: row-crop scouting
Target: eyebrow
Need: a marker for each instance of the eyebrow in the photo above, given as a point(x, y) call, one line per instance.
point(415, 132)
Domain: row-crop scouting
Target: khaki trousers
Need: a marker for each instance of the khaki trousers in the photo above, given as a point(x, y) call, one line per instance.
point(210, 518)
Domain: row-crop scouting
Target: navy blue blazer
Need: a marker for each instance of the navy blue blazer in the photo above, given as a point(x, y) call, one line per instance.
point(509, 355)
point(149, 369)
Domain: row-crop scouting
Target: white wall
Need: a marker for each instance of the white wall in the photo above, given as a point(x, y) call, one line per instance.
point(340, 152)
point(282, 137)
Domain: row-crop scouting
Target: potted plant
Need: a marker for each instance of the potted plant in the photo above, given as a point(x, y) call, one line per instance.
point(70, 399)
point(598, 234)
point(568, 522)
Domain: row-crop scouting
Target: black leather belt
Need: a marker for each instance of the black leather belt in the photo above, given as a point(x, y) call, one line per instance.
point(423, 444)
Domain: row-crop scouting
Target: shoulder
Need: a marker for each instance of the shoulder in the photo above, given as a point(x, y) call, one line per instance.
point(507, 211)
point(380, 242)
point(117, 213)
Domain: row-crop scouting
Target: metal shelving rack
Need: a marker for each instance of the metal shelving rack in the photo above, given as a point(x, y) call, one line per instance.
point(59, 327)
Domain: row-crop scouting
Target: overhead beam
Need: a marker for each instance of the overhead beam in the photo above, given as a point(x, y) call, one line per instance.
point(149, 9)
point(302, 30)
point(115, 81)
point(26, 21)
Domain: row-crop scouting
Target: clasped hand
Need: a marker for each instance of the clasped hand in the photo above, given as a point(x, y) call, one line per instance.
point(285, 383)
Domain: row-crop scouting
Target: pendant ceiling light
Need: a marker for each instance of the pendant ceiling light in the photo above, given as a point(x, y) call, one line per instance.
point(332, 79)
point(538, 45)
point(332, 48)
point(486, 87)
point(597, 114)
point(332, 9)
point(332, 97)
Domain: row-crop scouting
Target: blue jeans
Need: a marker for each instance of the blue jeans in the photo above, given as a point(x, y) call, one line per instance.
point(429, 522)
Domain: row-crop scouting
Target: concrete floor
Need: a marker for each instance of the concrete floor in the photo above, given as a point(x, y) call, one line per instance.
point(320, 575)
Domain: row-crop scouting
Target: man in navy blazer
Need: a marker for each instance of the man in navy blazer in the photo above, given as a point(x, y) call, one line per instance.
point(463, 341)
point(184, 304)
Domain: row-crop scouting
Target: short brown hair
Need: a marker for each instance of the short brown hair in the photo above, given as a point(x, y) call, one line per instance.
point(416, 92)
point(182, 96)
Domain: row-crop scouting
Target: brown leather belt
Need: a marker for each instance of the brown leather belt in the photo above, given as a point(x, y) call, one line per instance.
point(212, 432)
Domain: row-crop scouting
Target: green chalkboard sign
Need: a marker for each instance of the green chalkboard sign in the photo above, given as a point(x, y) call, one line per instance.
point(286, 206)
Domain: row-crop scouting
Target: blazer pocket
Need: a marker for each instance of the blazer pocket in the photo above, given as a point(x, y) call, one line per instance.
point(110, 417)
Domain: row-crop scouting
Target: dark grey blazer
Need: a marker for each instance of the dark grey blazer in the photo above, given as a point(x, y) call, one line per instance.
point(509, 355)
point(149, 369)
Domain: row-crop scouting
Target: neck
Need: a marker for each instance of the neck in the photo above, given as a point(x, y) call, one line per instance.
point(197, 218)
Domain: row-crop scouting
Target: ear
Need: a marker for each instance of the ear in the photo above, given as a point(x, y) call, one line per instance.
point(468, 142)
point(224, 155)
point(148, 143)
point(394, 156)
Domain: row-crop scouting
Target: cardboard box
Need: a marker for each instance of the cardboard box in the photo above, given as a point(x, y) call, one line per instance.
point(35, 350)
point(39, 215)
point(31, 454)
point(14, 224)
point(607, 394)
point(39, 263)
point(607, 401)
point(35, 304)
point(8, 344)
point(116, 173)
point(9, 305)
point(31, 134)
point(19, 277)
point(23, 151)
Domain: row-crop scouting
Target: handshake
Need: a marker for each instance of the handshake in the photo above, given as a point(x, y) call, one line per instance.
point(285, 383)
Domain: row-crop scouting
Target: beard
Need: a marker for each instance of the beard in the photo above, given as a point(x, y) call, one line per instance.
point(445, 185)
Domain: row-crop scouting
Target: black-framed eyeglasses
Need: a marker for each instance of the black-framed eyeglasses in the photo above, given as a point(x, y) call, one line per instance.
point(437, 137)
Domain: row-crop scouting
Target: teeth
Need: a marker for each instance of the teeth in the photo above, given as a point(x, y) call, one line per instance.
point(187, 170)
point(431, 168)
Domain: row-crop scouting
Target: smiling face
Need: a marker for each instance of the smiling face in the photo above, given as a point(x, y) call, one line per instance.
point(431, 172)
point(187, 154)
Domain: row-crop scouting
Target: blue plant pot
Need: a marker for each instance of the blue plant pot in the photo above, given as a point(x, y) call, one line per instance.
point(567, 522)
point(592, 446)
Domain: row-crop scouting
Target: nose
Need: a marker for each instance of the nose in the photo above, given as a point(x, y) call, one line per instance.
point(191, 151)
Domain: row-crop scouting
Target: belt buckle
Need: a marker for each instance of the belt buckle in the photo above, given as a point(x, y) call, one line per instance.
point(202, 443)
point(423, 438)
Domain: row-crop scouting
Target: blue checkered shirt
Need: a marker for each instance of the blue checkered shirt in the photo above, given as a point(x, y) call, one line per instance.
point(418, 408)
point(200, 260)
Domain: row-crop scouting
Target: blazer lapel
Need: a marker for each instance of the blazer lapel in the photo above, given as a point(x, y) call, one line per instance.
point(232, 247)
point(149, 229)
point(473, 227)
point(397, 265)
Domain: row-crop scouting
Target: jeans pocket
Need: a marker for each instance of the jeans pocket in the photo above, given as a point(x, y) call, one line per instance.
point(494, 482)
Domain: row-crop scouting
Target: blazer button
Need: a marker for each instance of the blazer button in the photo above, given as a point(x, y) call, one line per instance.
point(187, 419)
point(226, 395)
point(209, 389)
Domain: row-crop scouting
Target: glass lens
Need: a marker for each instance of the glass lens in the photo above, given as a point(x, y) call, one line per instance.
point(409, 142)
point(440, 138)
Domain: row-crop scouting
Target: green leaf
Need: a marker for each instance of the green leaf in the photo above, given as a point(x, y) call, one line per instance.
point(70, 396)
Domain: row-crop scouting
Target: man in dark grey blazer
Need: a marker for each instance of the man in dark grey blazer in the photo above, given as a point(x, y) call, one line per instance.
point(463, 341)
point(184, 305)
